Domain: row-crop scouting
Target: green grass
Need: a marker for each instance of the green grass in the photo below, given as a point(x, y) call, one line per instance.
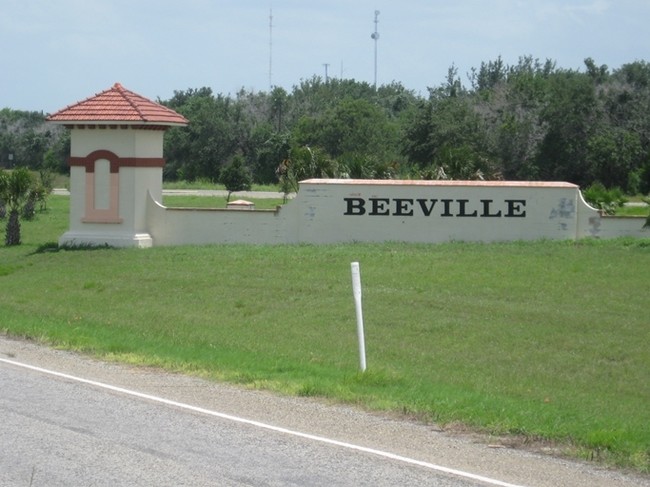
point(63, 181)
point(633, 211)
point(194, 201)
point(206, 184)
point(542, 340)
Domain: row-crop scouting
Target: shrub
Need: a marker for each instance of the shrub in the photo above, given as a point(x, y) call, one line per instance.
point(607, 200)
point(236, 176)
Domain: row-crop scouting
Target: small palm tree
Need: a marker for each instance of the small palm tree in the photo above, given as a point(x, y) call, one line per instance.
point(15, 187)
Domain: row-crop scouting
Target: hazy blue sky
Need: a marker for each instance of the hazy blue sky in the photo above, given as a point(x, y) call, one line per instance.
point(57, 52)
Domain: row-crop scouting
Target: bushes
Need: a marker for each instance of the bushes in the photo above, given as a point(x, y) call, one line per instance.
point(19, 194)
point(607, 200)
point(236, 176)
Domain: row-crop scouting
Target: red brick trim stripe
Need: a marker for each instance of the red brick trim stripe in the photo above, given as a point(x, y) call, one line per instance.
point(116, 162)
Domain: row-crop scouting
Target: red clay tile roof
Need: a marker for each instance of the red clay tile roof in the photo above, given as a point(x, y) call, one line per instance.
point(118, 105)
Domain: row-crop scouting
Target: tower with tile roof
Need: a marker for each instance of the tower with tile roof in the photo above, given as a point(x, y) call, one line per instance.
point(116, 160)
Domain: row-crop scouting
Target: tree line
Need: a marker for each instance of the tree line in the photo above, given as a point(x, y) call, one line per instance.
point(527, 121)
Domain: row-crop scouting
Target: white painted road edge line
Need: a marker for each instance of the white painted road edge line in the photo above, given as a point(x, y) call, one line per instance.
point(257, 424)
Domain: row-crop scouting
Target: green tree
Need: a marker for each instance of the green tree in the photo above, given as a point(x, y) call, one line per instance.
point(314, 96)
point(626, 100)
point(417, 143)
point(235, 176)
point(614, 155)
point(351, 126)
point(305, 162)
point(395, 99)
point(607, 200)
point(367, 166)
point(359, 126)
point(461, 163)
point(570, 115)
point(15, 187)
point(269, 155)
point(279, 101)
point(447, 131)
point(530, 120)
point(26, 137)
point(212, 137)
point(489, 75)
point(510, 100)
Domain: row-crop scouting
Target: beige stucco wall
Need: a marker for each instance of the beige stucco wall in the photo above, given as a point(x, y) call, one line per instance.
point(435, 211)
point(135, 183)
point(324, 211)
point(615, 226)
point(328, 211)
point(124, 141)
point(77, 196)
point(205, 226)
point(130, 184)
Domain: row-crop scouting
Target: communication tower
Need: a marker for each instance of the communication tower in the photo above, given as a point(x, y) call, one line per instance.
point(375, 37)
point(271, 49)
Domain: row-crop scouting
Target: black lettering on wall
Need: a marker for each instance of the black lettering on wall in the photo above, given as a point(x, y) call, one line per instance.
point(403, 207)
point(462, 211)
point(515, 208)
point(379, 206)
point(355, 206)
point(486, 209)
point(447, 206)
point(426, 207)
point(426, 210)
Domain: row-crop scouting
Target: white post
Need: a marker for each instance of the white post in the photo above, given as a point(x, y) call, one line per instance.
point(356, 291)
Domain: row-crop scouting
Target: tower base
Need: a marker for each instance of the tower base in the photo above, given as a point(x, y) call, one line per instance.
point(100, 239)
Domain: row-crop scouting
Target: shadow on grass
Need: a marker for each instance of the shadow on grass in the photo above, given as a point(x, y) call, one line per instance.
point(55, 247)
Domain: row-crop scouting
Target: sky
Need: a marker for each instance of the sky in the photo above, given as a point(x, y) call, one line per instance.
point(57, 52)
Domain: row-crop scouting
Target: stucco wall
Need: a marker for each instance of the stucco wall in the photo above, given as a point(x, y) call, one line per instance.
point(328, 211)
point(108, 203)
point(435, 211)
point(124, 141)
point(615, 226)
point(174, 226)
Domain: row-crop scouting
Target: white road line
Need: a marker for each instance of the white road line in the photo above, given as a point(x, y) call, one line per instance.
point(257, 424)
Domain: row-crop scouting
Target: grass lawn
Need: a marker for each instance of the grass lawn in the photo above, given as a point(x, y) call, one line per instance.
point(543, 340)
point(205, 184)
point(633, 211)
point(194, 201)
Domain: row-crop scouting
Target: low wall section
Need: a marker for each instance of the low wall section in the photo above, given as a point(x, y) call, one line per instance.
point(180, 226)
point(331, 210)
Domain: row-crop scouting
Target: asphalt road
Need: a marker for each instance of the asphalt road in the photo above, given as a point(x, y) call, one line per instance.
point(61, 433)
point(71, 421)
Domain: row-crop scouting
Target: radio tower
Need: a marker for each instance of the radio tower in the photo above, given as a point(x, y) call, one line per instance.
point(375, 37)
point(271, 48)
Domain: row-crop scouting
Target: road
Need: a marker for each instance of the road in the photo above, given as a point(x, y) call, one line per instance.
point(69, 420)
point(57, 432)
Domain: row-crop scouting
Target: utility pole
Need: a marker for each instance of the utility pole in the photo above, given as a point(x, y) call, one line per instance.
point(375, 37)
point(326, 66)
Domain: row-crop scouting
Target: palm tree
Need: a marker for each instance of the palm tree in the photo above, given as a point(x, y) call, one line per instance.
point(15, 187)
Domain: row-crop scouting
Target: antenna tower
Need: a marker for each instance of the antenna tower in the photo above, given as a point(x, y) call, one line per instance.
point(375, 37)
point(271, 48)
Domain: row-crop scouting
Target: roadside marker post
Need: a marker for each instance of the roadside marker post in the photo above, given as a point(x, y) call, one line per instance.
point(356, 292)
